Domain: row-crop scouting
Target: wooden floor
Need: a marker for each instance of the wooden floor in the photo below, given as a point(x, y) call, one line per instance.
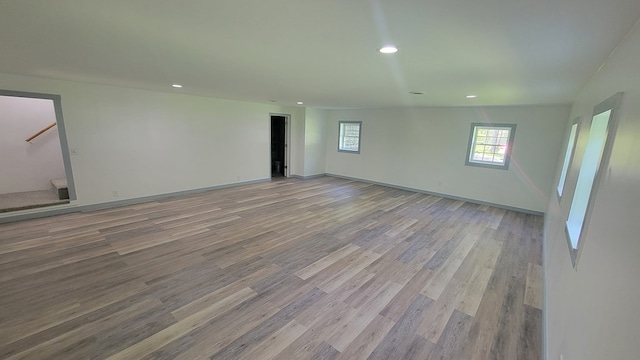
point(289, 269)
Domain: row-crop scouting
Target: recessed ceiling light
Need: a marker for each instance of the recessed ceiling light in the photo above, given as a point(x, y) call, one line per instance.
point(471, 96)
point(299, 103)
point(389, 49)
point(177, 86)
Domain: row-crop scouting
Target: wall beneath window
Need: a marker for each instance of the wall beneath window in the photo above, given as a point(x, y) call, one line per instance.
point(143, 143)
point(592, 312)
point(425, 148)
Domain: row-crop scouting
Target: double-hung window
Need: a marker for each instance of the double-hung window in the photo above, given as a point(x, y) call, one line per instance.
point(490, 145)
point(349, 136)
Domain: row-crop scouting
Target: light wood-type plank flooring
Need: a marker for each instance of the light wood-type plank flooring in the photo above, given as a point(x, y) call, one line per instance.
point(289, 269)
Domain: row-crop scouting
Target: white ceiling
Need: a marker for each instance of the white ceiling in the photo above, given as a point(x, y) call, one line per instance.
point(322, 52)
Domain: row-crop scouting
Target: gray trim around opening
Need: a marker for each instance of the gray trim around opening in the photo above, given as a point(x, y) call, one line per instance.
point(62, 132)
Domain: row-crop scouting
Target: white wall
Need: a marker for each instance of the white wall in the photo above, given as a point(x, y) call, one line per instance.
point(315, 138)
point(592, 312)
point(296, 144)
point(425, 148)
point(28, 166)
point(141, 143)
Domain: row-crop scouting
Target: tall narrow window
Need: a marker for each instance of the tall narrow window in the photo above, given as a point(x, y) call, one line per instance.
point(490, 146)
point(588, 170)
point(598, 146)
point(571, 144)
point(349, 136)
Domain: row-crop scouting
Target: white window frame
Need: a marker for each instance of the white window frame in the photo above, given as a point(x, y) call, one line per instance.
point(472, 144)
point(341, 137)
point(579, 216)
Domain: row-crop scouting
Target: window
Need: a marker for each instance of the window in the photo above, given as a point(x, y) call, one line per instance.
point(599, 143)
point(490, 146)
point(567, 158)
point(349, 137)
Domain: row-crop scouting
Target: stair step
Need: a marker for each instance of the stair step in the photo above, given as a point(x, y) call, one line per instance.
point(29, 200)
point(61, 188)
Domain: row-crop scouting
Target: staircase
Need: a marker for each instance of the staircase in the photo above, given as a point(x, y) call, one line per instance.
point(60, 187)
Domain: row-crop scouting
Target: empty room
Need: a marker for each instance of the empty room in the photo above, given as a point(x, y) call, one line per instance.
point(319, 180)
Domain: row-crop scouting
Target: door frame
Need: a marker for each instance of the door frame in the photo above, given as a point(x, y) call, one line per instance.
point(287, 142)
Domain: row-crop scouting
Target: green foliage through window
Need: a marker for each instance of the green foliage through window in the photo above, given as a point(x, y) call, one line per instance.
point(490, 145)
point(349, 136)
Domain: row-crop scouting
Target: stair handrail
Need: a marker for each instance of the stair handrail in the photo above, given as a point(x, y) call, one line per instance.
point(41, 132)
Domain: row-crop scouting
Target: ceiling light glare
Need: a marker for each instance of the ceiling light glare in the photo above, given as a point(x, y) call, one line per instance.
point(389, 49)
point(176, 86)
point(299, 103)
point(471, 96)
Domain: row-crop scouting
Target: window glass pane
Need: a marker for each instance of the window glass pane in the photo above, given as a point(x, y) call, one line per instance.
point(588, 169)
point(349, 137)
point(489, 145)
point(567, 158)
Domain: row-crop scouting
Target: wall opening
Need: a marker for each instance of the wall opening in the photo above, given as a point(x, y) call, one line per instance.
point(34, 155)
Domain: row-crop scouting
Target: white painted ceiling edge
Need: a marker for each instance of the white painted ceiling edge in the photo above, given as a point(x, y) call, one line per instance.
point(507, 52)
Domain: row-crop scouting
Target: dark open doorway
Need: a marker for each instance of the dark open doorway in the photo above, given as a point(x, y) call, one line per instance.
point(278, 145)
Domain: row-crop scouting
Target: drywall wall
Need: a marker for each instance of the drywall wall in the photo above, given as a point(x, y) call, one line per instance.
point(315, 137)
point(425, 148)
point(129, 143)
point(592, 311)
point(296, 144)
point(28, 166)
